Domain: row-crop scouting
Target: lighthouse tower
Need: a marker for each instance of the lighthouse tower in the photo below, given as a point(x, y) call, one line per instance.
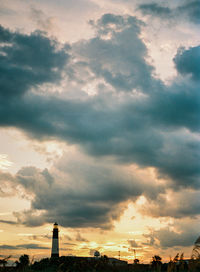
point(55, 244)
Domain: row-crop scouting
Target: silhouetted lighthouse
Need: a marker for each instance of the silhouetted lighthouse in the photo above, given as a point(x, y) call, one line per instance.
point(55, 244)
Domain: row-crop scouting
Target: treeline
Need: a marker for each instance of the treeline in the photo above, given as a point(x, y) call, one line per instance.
point(102, 264)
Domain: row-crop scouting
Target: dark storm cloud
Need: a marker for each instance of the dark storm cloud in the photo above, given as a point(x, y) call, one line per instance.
point(131, 129)
point(5, 34)
point(133, 244)
point(8, 222)
point(32, 246)
point(96, 202)
point(111, 55)
point(6, 178)
point(187, 61)
point(7, 247)
point(155, 9)
point(27, 61)
point(169, 238)
point(23, 246)
point(188, 9)
point(184, 236)
point(185, 203)
point(137, 119)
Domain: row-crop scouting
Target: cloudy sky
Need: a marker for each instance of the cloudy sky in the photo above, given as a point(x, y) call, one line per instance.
point(99, 127)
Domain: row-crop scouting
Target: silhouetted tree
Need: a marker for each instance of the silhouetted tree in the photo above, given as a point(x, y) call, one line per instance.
point(4, 261)
point(136, 261)
point(105, 259)
point(156, 263)
point(23, 262)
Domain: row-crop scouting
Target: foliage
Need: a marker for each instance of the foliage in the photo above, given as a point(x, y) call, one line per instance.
point(23, 262)
point(4, 261)
point(156, 263)
point(103, 264)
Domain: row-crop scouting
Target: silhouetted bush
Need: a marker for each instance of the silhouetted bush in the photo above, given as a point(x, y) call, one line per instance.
point(102, 264)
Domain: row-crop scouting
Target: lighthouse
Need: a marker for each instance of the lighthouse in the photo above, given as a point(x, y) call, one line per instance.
point(55, 244)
